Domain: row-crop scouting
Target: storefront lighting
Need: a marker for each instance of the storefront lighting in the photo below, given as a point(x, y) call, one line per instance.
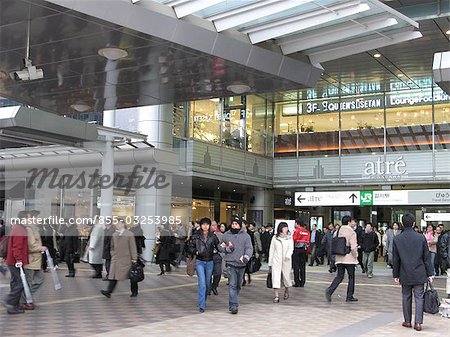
point(238, 88)
point(215, 100)
point(80, 106)
point(447, 32)
point(377, 55)
point(112, 53)
point(400, 75)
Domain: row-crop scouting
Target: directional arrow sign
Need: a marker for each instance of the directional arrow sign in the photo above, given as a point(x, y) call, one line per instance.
point(327, 198)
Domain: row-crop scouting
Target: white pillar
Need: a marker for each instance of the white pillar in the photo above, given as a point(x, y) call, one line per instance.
point(151, 206)
point(261, 199)
point(107, 186)
point(109, 118)
point(156, 121)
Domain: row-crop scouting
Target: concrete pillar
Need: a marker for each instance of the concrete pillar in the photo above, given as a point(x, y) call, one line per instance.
point(261, 199)
point(107, 186)
point(151, 206)
point(156, 121)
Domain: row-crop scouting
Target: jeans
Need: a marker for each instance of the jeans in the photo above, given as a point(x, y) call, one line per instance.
point(204, 271)
point(13, 298)
point(340, 276)
point(368, 259)
point(407, 302)
point(433, 257)
point(235, 277)
point(299, 264)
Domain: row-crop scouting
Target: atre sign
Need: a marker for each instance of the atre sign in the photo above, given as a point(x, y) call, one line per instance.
point(385, 169)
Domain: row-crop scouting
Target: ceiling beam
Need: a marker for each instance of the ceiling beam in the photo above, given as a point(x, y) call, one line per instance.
point(335, 33)
point(251, 12)
point(184, 8)
point(304, 21)
point(361, 45)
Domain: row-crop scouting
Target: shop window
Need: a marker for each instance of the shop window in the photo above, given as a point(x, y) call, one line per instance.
point(205, 120)
point(285, 129)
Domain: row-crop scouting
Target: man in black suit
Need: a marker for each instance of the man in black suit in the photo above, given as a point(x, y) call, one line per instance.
point(411, 268)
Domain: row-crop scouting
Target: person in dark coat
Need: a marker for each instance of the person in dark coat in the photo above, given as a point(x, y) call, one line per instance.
point(109, 231)
point(266, 239)
point(369, 244)
point(69, 247)
point(411, 268)
point(139, 238)
point(326, 245)
point(165, 253)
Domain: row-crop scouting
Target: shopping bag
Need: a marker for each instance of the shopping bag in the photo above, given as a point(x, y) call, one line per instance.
point(26, 287)
point(431, 301)
point(190, 265)
point(50, 264)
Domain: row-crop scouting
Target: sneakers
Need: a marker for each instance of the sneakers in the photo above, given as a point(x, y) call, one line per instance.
point(370, 276)
point(234, 311)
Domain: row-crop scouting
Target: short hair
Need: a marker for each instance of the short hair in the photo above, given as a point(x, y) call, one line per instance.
point(281, 225)
point(298, 221)
point(408, 220)
point(205, 220)
point(345, 220)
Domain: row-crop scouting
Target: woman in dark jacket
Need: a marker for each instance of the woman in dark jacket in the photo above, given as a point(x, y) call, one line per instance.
point(69, 246)
point(165, 253)
point(204, 245)
point(139, 238)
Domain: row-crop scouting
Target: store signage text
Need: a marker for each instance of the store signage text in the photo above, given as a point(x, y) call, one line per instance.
point(423, 97)
point(330, 106)
point(382, 168)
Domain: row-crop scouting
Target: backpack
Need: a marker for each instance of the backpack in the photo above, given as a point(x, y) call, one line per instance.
point(3, 247)
point(339, 245)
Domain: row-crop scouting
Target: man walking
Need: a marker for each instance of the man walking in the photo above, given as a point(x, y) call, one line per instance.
point(17, 258)
point(315, 244)
point(346, 262)
point(411, 268)
point(301, 239)
point(237, 246)
point(369, 243)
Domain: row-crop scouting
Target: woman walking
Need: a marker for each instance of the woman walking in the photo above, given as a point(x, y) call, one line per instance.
point(280, 260)
point(123, 255)
point(204, 245)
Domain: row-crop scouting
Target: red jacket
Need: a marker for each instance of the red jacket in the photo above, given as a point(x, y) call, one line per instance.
point(17, 246)
point(301, 234)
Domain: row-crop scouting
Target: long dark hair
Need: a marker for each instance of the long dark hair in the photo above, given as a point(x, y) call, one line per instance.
point(281, 225)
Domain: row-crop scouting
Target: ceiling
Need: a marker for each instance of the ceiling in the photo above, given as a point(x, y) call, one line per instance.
point(65, 44)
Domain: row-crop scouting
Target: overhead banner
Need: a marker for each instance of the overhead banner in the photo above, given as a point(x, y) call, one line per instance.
point(373, 198)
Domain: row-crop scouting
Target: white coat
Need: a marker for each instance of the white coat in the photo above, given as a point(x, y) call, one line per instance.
point(96, 244)
point(280, 259)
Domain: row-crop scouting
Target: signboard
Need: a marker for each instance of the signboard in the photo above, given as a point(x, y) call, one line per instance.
point(436, 216)
point(375, 198)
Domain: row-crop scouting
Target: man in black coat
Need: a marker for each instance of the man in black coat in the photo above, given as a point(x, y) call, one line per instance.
point(369, 243)
point(411, 268)
point(69, 246)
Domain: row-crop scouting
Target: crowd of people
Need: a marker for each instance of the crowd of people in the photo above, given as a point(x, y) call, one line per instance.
point(217, 250)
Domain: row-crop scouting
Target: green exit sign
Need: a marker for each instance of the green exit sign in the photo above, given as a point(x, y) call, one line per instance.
point(366, 198)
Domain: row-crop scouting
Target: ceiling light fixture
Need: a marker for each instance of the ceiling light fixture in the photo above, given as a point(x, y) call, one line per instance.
point(80, 106)
point(238, 88)
point(400, 75)
point(112, 53)
point(447, 32)
point(377, 55)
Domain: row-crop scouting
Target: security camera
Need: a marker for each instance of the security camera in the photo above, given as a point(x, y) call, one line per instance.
point(29, 73)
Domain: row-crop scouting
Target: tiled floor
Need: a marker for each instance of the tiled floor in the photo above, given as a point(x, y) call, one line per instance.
point(167, 305)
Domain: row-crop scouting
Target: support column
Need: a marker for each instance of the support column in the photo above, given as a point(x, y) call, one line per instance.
point(261, 199)
point(156, 121)
point(107, 186)
point(151, 205)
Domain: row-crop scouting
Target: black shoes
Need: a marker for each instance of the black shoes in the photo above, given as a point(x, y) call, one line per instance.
point(106, 293)
point(351, 299)
point(201, 310)
point(132, 295)
point(161, 273)
point(70, 275)
point(215, 292)
point(15, 311)
point(296, 285)
point(234, 311)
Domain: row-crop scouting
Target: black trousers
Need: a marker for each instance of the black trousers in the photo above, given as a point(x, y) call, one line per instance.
point(299, 258)
point(217, 274)
point(13, 298)
point(360, 258)
point(341, 268)
point(70, 263)
point(107, 266)
point(133, 286)
point(98, 269)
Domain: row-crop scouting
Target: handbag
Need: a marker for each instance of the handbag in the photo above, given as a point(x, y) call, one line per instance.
point(254, 264)
point(190, 265)
point(431, 301)
point(339, 245)
point(136, 273)
point(269, 280)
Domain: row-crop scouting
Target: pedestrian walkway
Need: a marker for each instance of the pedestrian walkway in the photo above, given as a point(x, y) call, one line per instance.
point(168, 305)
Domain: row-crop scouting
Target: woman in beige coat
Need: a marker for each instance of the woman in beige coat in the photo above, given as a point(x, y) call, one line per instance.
point(123, 255)
point(280, 260)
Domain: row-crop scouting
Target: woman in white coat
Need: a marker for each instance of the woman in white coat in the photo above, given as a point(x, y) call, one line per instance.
point(95, 255)
point(280, 260)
